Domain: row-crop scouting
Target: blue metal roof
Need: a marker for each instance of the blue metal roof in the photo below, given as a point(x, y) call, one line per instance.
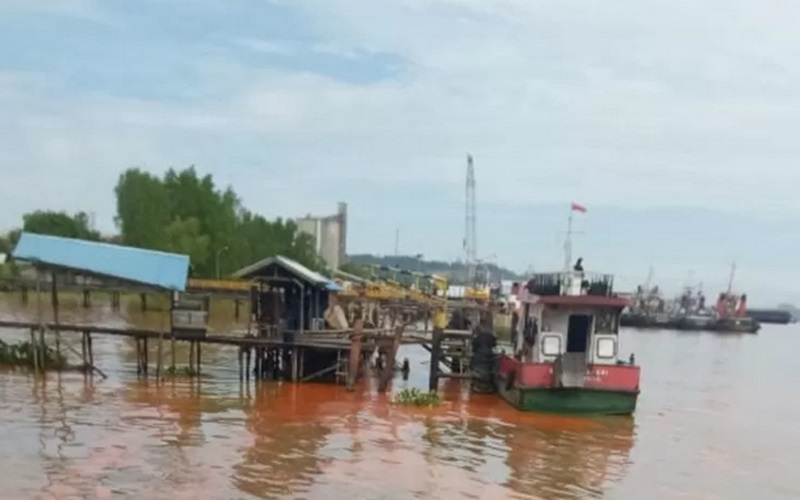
point(135, 265)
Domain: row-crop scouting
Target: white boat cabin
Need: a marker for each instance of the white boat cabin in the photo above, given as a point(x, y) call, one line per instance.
point(570, 317)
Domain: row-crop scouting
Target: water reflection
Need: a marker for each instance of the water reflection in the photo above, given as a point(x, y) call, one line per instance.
point(699, 431)
point(217, 438)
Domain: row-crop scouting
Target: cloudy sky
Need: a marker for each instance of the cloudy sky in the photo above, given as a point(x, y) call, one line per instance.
point(674, 121)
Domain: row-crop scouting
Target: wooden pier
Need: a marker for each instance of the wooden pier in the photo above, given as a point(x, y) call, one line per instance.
point(262, 358)
point(288, 308)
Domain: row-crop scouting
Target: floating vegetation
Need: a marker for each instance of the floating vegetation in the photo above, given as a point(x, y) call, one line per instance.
point(21, 354)
point(416, 397)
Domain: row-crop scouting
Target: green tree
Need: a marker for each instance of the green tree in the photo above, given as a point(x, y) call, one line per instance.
point(183, 212)
point(59, 224)
point(184, 236)
point(142, 210)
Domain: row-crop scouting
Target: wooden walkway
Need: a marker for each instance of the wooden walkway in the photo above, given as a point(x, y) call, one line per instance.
point(302, 358)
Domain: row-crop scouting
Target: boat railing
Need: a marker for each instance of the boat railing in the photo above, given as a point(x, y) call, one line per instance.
point(571, 283)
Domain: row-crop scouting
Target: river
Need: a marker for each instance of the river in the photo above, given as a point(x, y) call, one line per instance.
point(715, 420)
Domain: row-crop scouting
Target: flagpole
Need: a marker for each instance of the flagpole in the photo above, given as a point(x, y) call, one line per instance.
point(568, 243)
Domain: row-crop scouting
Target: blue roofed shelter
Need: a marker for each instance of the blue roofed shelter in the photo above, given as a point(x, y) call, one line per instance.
point(286, 295)
point(147, 268)
point(158, 271)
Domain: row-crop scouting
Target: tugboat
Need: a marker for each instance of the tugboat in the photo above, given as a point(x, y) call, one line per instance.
point(731, 312)
point(732, 315)
point(566, 347)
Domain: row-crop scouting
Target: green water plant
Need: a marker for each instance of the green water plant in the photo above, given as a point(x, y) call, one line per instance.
point(416, 397)
point(21, 354)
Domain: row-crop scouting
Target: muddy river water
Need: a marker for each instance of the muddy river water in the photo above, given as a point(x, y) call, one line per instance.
point(716, 420)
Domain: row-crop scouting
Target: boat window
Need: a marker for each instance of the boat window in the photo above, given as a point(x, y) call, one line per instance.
point(606, 348)
point(551, 345)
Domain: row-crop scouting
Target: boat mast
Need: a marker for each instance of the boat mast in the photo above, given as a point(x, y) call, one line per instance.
point(730, 278)
point(649, 280)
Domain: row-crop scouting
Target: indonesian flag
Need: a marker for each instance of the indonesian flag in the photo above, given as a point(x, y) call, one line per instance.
point(577, 207)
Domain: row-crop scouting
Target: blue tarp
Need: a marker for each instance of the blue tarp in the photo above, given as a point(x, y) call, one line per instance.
point(145, 267)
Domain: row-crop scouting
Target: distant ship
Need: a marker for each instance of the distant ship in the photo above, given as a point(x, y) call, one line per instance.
point(689, 311)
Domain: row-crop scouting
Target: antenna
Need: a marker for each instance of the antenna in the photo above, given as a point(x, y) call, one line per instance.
point(470, 231)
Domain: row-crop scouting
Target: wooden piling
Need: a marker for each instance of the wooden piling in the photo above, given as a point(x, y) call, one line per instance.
point(42, 350)
point(172, 353)
point(295, 364)
point(388, 371)
point(355, 354)
point(54, 301)
point(236, 308)
point(143, 301)
point(145, 356)
point(159, 356)
point(89, 348)
point(191, 356)
point(241, 364)
point(83, 351)
point(436, 354)
point(302, 362)
point(247, 354)
point(87, 298)
point(138, 357)
point(199, 357)
point(34, 350)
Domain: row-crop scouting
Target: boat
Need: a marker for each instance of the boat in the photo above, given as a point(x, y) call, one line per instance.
point(566, 350)
point(731, 311)
point(736, 325)
point(774, 316)
point(566, 346)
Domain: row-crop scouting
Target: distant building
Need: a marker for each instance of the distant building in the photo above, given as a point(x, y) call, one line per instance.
point(330, 235)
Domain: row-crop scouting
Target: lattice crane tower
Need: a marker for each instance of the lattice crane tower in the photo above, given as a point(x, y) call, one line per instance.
point(470, 232)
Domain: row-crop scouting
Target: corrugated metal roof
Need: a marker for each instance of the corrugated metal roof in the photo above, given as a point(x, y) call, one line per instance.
point(293, 267)
point(146, 267)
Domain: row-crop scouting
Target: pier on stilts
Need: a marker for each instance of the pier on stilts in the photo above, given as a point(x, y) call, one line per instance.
point(287, 337)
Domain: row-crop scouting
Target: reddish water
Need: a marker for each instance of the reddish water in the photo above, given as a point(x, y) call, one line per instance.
point(715, 420)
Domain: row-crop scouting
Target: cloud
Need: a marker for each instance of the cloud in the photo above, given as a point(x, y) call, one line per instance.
point(624, 104)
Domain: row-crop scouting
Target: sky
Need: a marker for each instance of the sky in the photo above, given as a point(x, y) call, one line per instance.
point(673, 121)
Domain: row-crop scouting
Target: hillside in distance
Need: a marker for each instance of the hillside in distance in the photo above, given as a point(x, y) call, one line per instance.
point(454, 271)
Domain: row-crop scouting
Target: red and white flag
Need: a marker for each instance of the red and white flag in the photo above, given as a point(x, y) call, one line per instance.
point(577, 207)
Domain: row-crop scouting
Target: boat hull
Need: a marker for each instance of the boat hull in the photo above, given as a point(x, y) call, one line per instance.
point(734, 326)
point(607, 390)
point(574, 401)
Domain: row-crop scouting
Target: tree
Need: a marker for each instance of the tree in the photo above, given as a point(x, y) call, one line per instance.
point(185, 213)
point(184, 236)
point(142, 210)
point(59, 224)
point(9, 241)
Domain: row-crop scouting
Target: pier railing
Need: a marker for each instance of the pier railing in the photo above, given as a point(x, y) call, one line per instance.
point(548, 284)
